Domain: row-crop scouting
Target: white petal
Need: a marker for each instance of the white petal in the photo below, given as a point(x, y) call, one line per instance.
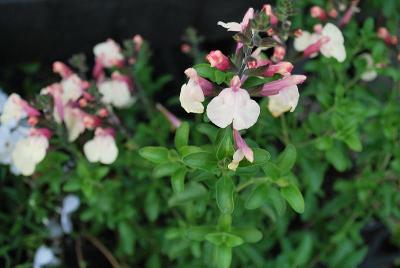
point(285, 100)
point(333, 32)
point(221, 108)
point(91, 151)
point(302, 42)
point(191, 97)
point(335, 50)
point(44, 256)
point(70, 203)
point(116, 93)
point(72, 89)
point(369, 75)
point(110, 150)
point(231, 26)
point(74, 123)
point(246, 110)
point(12, 111)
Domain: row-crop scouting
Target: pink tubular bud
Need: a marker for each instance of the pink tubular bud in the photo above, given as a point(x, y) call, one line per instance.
point(298, 32)
point(218, 60)
point(98, 70)
point(175, 122)
point(241, 144)
point(40, 132)
point(83, 102)
point(314, 48)
point(279, 53)
point(273, 88)
point(205, 85)
point(318, 28)
point(103, 112)
point(282, 68)
point(383, 33)
point(318, 13)
point(138, 40)
point(33, 120)
point(273, 19)
point(349, 14)
point(90, 121)
point(63, 70)
point(333, 13)
point(186, 48)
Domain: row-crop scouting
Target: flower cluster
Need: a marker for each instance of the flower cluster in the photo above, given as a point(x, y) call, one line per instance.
point(72, 106)
point(234, 104)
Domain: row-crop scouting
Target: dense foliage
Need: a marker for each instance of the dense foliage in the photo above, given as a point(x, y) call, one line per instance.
point(271, 188)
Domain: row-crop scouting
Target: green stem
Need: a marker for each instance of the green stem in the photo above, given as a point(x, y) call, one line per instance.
point(285, 129)
point(245, 184)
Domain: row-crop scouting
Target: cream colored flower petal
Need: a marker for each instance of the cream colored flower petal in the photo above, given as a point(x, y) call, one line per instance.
point(285, 100)
point(191, 97)
point(231, 26)
point(221, 108)
point(246, 110)
point(109, 150)
point(302, 42)
point(333, 32)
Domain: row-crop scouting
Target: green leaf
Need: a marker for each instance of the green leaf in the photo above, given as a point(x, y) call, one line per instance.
point(156, 155)
point(287, 158)
point(202, 160)
point(272, 170)
point(225, 190)
point(198, 233)
point(127, 238)
point(152, 205)
point(166, 169)
point(294, 197)
point(248, 234)
point(192, 191)
point(224, 239)
point(224, 143)
point(178, 180)
point(205, 70)
point(223, 257)
point(257, 197)
point(182, 135)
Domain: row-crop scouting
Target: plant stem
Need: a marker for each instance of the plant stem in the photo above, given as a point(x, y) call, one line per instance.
point(100, 246)
point(250, 182)
point(285, 129)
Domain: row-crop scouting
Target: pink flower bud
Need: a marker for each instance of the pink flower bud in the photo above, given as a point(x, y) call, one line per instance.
point(205, 85)
point(318, 28)
point(138, 40)
point(241, 144)
point(83, 102)
point(314, 48)
point(333, 13)
point(273, 88)
point(33, 120)
point(282, 68)
point(279, 53)
point(63, 70)
point(394, 40)
point(91, 121)
point(218, 60)
point(186, 48)
point(298, 32)
point(103, 113)
point(384, 34)
point(98, 70)
point(318, 13)
point(235, 83)
point(175, 122)
point(40, 132)
point(273, 19)
point(349, 13)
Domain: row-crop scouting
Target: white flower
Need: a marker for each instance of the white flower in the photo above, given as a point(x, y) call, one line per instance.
point(304, 40)
point(70, 204)
point(74, 122)
point(101, 148)
point(334, 47)
point(191, 97)
point(233, 105)
point(8, 139)
point(242, 151)
point(28, 152)
point(116, 93)
point(108, 53)
point(44, 256)
point(370, 73)
point(285, 100)
point(71, 89)
point(13, 110)
point(238, 27)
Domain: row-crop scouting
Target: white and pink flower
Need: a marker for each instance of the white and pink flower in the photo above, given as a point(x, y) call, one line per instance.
point(234, 106)
point(218, 60)
point(15, 109)
point(238, 27)
point(193, 92)
point(285, 100)
point(30, 151)
point(108, 53)
point(117, 91)
point(242, 151)
point(102, 148)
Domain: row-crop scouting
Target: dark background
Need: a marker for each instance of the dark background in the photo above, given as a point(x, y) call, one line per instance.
point(49, 30)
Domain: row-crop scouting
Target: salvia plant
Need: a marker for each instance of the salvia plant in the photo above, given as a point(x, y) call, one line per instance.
point(289, 155)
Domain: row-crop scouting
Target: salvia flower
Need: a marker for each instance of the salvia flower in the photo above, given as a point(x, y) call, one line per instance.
point(117, 91)
point(175, 122)
point(108, 53)
point(218, 60)
point(285, 100)
point(274, 87)
point(74, 121)
point(283, 68)
point(239, 27)
point(15, 109)
point(30, 151)
point(234, 106)
point(370, 74)
point(242, 151)
point(192, 94)
point(102, 147)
